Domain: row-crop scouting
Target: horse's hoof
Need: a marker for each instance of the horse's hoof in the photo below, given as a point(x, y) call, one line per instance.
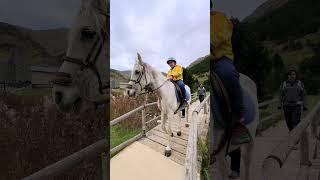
point(171, 134)
point(179, 133)
point(167, 153)
point(187, 125)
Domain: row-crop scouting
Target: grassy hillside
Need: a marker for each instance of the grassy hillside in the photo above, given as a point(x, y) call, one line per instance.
point(54, 40)
point(116, 75)
point(36, 48)
point(199, 70)
point(292, 20)
point(294, 36)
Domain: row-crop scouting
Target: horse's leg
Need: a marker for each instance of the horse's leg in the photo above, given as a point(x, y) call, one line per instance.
point(246, 156)
point(179, 124)
point(163, 121)
point(219, 169)
point(170, 134)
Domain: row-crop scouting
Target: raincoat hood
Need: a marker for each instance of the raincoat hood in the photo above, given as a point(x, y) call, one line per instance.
point(220, 36)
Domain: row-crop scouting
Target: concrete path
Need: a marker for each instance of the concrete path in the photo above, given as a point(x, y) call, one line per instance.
point(138, 162)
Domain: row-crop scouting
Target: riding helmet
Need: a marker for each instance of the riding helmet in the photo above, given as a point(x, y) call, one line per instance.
point(171, 59)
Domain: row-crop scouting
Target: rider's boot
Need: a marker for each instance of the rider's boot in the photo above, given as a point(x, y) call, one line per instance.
point(185, 103)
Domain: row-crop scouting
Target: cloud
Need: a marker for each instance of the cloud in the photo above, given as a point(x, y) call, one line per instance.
point(157, 30)
point(39, 14)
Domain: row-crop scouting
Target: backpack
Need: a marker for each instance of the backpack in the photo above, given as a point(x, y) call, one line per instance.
point(292, 93)
point(300, 85)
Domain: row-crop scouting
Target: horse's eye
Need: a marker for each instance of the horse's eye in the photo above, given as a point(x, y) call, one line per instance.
point(137, 72)
point(87, 34)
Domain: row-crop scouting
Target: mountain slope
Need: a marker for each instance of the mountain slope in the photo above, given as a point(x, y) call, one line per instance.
point(118, 76)
point(43, 48)
point(292, 20)
point(265, 8)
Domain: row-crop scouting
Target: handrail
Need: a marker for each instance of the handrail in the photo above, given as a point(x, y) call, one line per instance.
point(274, 162)
point(266, 103)
point(190, 168)
point(140, 135)
point(90, 152)
point(125, 116)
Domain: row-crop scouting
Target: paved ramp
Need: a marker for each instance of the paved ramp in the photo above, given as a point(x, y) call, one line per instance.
point(138, 161)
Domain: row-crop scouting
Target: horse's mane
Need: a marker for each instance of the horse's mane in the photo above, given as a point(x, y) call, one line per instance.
point(152, 70)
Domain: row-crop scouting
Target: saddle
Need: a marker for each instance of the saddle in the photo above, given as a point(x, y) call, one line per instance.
point(179, 96)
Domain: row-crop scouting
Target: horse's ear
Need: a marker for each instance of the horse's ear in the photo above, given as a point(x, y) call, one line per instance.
point(139, 58)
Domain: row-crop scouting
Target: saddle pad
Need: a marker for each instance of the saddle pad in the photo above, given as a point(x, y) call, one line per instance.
point(249, 107)
point(178, 97)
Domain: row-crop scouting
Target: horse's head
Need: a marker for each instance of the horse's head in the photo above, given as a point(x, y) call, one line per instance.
point(139, 78)
point(82, 75)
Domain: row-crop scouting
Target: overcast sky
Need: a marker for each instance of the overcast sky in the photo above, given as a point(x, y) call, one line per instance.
point(155, 28)
point(158, 30)
point(39, 14)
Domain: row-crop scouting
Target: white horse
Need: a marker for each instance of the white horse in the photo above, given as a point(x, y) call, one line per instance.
point(219, 169)
point(143, 76)
point(82, 78)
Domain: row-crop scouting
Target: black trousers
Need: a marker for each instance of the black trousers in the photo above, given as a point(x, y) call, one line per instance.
point(201, 98)
point(235, 160)
point(292, 115)
point(183, 112)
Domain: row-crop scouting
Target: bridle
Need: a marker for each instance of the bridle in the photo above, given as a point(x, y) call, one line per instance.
point(138, 80)
point(147, 88)
point(64, 79)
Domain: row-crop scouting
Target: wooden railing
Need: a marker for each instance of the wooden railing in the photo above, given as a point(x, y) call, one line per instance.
point(142, 108)
point(91, 152)
point(190, 168)
point(273, 163)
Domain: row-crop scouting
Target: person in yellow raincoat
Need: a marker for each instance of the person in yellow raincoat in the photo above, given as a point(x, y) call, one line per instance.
point(222, 66)
point(175, 74)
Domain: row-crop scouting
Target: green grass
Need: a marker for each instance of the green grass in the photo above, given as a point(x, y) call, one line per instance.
point(204, 154)
point(33, 92)
point(119, 135)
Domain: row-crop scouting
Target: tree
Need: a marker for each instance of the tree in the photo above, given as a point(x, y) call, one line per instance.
point(309, 72)
point(250, 57)
point(189, 80)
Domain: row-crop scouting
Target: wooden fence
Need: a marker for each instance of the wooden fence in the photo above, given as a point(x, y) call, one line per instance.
point(273, 163)
point(96, 150)
point(191, 163)
point(141, 109)
point(190, 168)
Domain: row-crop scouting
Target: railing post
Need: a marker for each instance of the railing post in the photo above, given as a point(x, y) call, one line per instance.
point(205, 108)
point(143, 116)
point(104, 166)
point(304, 148)
point(304, 157)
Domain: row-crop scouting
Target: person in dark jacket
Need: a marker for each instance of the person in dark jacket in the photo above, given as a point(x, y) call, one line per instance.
point(201, 93)
point(293, 99)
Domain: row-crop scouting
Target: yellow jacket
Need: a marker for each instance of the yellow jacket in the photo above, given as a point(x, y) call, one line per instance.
point(176, 72)
point(220, 36)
